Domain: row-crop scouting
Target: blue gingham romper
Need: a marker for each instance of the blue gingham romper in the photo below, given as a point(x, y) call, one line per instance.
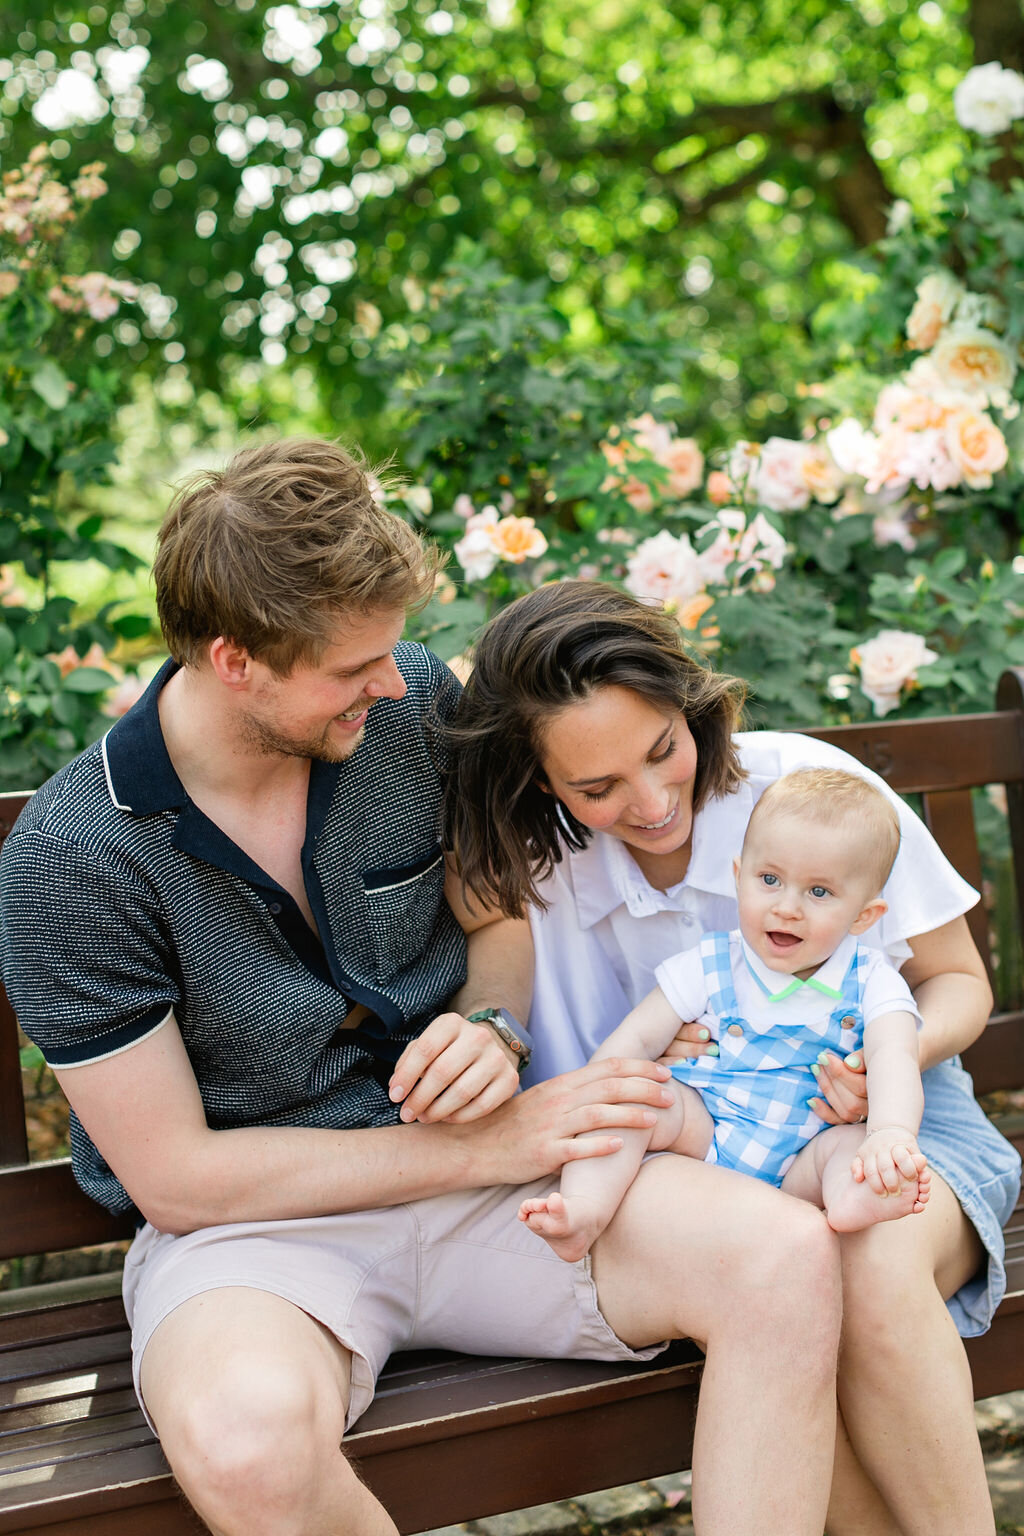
point(756, 1090)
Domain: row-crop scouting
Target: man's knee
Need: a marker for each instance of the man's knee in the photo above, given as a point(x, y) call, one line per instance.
point(250, 1448)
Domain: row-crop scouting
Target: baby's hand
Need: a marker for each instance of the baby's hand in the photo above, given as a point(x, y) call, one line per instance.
point(888, 1158)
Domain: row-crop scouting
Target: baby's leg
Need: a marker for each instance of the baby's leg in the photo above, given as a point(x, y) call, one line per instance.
point(821, 1174)
point(572, 1218)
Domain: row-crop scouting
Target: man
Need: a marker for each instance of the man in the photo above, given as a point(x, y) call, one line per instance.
point(232, 930)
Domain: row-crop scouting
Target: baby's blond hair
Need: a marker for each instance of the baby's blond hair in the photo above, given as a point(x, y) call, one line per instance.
point(832, 798)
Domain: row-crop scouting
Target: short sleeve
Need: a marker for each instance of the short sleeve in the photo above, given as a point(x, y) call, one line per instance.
point(82, 950)
point(885, 991)
point(681, 978)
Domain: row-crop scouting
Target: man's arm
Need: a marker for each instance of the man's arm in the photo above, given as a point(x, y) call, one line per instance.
point(458, 1071)
point(143, 1110)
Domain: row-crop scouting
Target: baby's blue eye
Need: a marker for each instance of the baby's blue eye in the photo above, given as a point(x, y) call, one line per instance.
point(819, 891)
point(770, 880)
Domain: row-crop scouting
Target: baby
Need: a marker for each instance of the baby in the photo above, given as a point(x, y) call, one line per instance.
point(791, 982)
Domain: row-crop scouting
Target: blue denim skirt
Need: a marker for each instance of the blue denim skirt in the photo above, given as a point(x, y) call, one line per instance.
point(983, 1171)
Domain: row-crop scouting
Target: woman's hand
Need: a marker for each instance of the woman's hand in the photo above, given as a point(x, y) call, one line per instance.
point(455, 1070)
point(842, 1097)
point(691, 1040)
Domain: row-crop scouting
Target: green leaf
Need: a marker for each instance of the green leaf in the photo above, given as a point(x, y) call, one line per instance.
point(50, 383)
point(88, 680)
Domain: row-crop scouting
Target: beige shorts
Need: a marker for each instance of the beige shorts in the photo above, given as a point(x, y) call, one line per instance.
point(457, 1271)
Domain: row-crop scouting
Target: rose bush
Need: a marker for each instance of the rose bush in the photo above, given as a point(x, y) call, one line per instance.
point(56, 410)
point(866, 565)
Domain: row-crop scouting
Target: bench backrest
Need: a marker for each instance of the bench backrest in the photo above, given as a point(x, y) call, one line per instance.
point(941, 759)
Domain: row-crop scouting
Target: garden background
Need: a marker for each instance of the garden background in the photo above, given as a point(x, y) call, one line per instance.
point(722, 301)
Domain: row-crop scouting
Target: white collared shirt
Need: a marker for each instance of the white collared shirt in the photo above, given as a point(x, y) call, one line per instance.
point(606, 929)
point(771, 999)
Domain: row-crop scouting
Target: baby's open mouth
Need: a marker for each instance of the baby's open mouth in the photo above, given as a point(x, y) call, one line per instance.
point(784, 940)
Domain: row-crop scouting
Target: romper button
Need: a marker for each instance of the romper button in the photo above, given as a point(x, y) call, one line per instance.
point(849, 1022)
point(735, 1029)
point(274, 906)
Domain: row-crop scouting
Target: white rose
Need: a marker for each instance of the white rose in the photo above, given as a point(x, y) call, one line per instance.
point(666, 568)
point(888, 664)
point(853, 447)
point(988, 99)
point(476, 551)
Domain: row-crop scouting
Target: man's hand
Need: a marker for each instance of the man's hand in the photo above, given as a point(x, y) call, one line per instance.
point(579, 1114)
point(455, 1071)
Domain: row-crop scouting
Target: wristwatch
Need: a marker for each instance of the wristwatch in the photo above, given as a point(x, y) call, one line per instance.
point(508, 1028)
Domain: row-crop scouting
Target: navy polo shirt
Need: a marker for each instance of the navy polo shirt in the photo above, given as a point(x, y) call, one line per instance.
point(121, 903)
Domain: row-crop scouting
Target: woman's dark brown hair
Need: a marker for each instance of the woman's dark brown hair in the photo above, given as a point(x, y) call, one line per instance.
point(540, 655)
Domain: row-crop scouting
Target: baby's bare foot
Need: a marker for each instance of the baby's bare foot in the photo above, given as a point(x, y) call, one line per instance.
point(562, 1228)
point(855, 1205)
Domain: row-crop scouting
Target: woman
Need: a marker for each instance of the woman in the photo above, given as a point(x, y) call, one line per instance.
point(600, 787)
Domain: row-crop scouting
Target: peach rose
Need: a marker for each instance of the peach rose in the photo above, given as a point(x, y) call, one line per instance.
point(720, 488)
point(973, 358)
point(517, 539)
point(689, 614)
point(685, 464)
point(888, 664)
point(8, 283)
point(822, 475)
point(937, 296)
point(976, 446)
point(637, 493)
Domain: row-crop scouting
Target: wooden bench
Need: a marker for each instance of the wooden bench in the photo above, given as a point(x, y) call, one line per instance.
point(449, 1438)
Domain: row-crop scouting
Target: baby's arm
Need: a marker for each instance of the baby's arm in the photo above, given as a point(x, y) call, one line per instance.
point(646, 1031)
point(889, 1154)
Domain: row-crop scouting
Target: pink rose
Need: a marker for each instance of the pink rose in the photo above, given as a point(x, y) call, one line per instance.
point(778, 480)
point(666, 568)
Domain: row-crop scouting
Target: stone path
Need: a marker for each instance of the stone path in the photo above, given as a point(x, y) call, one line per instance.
point(661, 1507)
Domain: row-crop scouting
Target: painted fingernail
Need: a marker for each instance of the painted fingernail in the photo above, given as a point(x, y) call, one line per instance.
point(815, 1070)
point(854, 1062)
point(703, 1034)
point(814, 1104)
point(712, 1050)
point(823, 1058)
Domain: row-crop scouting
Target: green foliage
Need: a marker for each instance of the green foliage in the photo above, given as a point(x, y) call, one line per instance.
point(55, 418)
point(276, 169)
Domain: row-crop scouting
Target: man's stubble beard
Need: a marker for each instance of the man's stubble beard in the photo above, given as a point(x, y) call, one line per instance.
point(263, 740)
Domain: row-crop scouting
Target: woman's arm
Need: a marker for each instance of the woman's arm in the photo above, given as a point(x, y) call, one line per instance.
point(947, 977)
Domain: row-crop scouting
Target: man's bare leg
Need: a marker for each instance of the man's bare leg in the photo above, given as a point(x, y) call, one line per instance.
point(249, 1394)
point(753, 1276)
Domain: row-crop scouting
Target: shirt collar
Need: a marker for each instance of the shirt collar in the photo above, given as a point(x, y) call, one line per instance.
point(827, 979)
point(140, 776)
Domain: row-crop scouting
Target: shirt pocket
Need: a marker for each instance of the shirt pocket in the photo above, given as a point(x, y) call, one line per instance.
point(402, 906)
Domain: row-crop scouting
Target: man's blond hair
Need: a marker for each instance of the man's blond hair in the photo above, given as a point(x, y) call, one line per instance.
point(831, 797)
point(278, 549)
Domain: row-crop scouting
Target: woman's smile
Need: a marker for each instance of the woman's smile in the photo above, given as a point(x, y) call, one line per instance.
point(624, 766)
